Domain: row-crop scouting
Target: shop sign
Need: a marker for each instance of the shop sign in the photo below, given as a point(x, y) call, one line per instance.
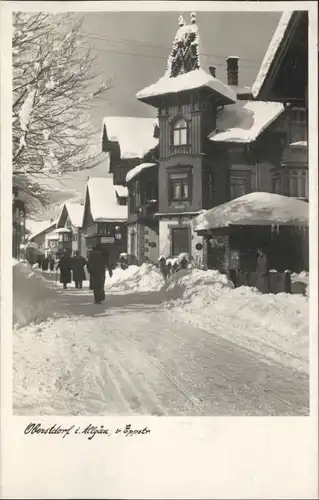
point(107, 239)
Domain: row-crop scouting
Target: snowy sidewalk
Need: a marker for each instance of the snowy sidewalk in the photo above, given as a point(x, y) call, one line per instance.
point(128, 357)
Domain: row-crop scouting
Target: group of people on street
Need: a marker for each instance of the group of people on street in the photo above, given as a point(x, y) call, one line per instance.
point(47, 263)
point(97, 264)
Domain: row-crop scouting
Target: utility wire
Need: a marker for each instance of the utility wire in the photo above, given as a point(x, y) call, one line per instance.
point(151, 56)
point(149, 45)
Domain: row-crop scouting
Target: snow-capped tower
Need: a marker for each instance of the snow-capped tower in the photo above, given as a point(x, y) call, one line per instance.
point(184, 56)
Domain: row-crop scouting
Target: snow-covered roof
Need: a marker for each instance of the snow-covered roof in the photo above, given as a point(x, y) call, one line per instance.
point(134, 135)
point(256, 209)
point(198, 78)
point(38, 227)
point(52, 236)
point(121, 191)
point(244, 121)
point(75, 213)
point(137, 170)
point(61, 230)
point(299, 144)
point(271, 52)
point(103, 201)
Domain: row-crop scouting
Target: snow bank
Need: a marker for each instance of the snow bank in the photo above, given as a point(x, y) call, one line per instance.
point(276, 326)
point(146, 278)
point(33, 301)
point(195, 287)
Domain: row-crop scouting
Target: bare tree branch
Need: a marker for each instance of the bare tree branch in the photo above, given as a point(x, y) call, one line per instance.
point(55, 134)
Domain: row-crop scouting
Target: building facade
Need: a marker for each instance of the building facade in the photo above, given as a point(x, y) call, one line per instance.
point(105, 217)
point(187, 99)
point(143, 226)
point(276, 159)
point(131, 144)
point(221, 141)
point(45, 240)
point(71, 218)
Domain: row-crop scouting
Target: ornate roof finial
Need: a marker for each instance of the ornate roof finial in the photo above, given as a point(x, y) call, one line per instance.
point(184, 56)
point(181, 21)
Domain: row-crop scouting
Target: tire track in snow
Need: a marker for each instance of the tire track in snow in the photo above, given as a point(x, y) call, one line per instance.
point(152, 405)
point(277, 400)
point(198, 407)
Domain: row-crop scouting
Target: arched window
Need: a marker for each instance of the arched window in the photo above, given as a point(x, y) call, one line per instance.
point(180, 132)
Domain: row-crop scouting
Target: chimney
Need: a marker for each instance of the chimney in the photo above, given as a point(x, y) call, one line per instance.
point(212, 71)
point(232, 70)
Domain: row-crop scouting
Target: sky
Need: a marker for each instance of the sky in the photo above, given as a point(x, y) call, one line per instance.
point(133, 47)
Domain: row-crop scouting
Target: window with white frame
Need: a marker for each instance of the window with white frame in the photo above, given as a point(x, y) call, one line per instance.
point(180, 133)
point(180, 186)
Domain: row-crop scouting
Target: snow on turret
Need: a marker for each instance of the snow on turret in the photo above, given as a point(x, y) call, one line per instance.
point(184, 56)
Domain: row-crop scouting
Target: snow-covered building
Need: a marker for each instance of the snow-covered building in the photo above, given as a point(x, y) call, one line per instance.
point(266, 143)
point(132, 146)
point(42, 236)
point(143, 226)
point(105, 216)
point(216, 141)
point(71, 219)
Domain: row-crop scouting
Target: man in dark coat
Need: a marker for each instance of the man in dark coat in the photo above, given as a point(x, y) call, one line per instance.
point(51, 263)
point(65, 266)
point(45, 264)
point(79, 264)
point(97, 264)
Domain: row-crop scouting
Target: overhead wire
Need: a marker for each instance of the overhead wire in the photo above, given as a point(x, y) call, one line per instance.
point(152, 46)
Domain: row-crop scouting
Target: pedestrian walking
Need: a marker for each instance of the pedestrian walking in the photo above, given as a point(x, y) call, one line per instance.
point(97, 264)
point(51, 263)
point(163, 267)
point(79, 264)
point(65, 266)
point(262, 270)
point(45, 264)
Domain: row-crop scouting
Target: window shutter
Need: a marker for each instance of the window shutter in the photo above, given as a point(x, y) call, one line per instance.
point(169, 189)
point(190, 187)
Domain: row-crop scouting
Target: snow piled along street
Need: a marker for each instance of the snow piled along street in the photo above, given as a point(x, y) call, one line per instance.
point(190, 346)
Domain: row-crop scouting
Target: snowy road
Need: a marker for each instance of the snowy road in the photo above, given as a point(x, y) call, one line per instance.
point(127, 357)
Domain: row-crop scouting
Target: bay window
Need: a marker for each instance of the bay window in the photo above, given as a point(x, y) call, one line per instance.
point(180, 186)
point(180, 133)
